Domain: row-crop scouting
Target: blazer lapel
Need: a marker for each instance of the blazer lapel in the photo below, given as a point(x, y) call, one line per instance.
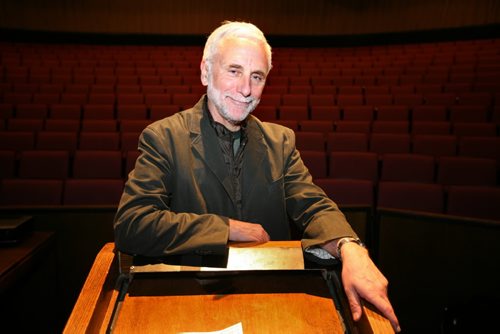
point(253, 157)
point(205, 146)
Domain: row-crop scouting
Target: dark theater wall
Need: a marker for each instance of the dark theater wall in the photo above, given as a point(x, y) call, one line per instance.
point(280, 17)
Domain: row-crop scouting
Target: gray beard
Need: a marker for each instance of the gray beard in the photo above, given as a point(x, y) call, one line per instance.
point(213, 95)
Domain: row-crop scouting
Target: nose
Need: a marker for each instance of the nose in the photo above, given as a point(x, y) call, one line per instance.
point(245, 87)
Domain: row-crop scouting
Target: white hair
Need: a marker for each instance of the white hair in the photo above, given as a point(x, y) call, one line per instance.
point(230, 29)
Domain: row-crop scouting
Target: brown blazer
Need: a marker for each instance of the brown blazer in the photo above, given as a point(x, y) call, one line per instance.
point(176, 200)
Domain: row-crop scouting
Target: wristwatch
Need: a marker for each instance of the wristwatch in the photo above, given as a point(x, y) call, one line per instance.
point(345, 240)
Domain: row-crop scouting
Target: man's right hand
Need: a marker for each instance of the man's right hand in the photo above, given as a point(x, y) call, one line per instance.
point(242, 231)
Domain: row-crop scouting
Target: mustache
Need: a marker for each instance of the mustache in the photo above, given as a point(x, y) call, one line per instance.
point(249, 99)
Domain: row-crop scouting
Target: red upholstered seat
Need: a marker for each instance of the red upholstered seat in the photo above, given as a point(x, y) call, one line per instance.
point(29, 192)
point(411, 196)
point(92, 192)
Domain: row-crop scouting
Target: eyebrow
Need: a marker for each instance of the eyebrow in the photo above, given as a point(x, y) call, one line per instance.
point(239, 67)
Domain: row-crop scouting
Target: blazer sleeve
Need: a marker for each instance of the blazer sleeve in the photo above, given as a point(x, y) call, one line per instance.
point(308, 206)
point(144, 223)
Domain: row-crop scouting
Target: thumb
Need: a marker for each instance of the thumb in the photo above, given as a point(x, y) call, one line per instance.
point(354, 303)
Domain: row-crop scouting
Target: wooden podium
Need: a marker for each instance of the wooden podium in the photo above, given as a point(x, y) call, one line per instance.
point(263, 288)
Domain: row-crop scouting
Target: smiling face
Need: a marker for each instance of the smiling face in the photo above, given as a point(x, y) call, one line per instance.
point(235, 79)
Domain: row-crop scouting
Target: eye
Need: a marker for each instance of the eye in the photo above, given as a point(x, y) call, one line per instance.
point(258, 78)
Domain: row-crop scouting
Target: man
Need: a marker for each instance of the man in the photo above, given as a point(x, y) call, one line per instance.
point(214, 173)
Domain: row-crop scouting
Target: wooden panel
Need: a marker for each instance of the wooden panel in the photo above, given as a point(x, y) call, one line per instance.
point(283, 17)
point(258, 313)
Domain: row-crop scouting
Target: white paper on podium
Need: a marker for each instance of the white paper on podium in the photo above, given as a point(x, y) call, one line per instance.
point(234, 329)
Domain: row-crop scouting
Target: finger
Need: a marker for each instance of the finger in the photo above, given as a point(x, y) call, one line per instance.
point(385, 307)
point(354, 303)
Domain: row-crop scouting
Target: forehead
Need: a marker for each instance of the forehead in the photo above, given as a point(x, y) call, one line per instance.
point(243, 52)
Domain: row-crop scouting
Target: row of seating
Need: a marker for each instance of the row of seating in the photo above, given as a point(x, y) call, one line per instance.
point(460, 89)
point(327, 96)
point(71, 192)
point(449, 170)
point(380, 143)
point(484, 129)
point(172, 76)
point(439, 113)
point(468, 201)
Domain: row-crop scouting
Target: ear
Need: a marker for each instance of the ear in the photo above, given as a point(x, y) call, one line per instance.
point(204, 73)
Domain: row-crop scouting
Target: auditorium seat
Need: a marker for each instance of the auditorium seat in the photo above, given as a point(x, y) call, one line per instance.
point(153, 90)
point(7, 164)
point(328, 89)
point(133, 125)
point(46, 98)
point(62, 125)
point(315, 161)
point(295, 112)
point(383, 143)
point(316, 126)
point(178, 89)
point(17, 141)
point(390, 127)
point(185, 101)
point(378, 99)
point(97, 164)
point(481, 129)
point(357, 113)
point(345, 100)
point(408, 167)
point(79, 98)
point(28, 192)
point(353, 165)
point(266, 113)
point(474, 201)
point(347, 192)
point(275, 90)
point(310, 141)
point(102, 98)
point(435, 145)
point(98, 111)
point(480, 147)
point(92, 192)
point(295, 100)
point(6, 110)
point(467, 171)
point(17, 98)
point(429, 113)
point(392, 113)
point(65, 111)
point(55, 140)
point(325, 113)
point(99, 140)
point(346, 142)
point(152, 99)
point(410, 100)
point(161, 111)
point(475, 98)
point(431, 128)
point(353, 126)
point(132, 111)
point(442, 99)
point(31, 111)
point(468, 114)
point(22, 124)
point(326, 100)
point(424, 197)
point(99, 125)
point(43, 164)
point(122, 89)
